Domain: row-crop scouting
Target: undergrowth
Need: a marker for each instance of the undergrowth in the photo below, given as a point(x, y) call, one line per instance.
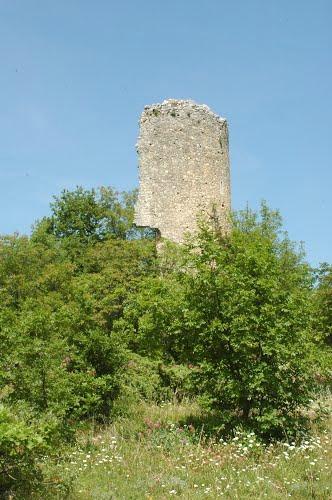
point(153, 454)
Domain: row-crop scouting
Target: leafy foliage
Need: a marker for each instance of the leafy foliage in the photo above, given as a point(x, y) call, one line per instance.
point(240, 315)
point(60, 292)
point(92, 322)
point(89, 215)
point(21, 444)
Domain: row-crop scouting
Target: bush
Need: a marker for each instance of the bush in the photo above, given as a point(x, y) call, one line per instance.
point(22, 444)
point(177, 380)
point(47, 365)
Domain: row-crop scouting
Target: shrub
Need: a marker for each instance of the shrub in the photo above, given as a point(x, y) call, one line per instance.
point(177, 378)
point(21, 446)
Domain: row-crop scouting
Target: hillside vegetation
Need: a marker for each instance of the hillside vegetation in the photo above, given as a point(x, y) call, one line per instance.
point(203, 370)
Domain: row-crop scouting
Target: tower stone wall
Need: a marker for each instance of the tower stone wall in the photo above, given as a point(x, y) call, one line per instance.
point(183, 168)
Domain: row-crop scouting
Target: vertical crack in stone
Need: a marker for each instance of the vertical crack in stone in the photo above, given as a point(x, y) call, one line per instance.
point(183, 168)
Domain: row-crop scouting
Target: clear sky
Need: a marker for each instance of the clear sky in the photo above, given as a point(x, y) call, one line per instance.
point(76, 74)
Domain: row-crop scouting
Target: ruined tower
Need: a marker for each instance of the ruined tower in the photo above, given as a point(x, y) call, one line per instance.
point(183, 168)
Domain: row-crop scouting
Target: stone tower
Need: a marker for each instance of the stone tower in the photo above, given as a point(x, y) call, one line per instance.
point(183, 168)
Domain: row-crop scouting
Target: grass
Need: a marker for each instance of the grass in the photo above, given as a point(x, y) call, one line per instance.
point(152, 455)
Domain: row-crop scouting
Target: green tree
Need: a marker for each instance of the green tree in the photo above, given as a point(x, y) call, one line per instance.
point(61, 291)
point(239, 312)
point(91, 215)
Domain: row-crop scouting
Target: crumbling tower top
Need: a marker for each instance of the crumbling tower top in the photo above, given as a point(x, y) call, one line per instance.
point(183, 168)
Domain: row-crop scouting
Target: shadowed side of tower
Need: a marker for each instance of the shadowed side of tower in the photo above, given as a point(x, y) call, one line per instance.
point(183, 168)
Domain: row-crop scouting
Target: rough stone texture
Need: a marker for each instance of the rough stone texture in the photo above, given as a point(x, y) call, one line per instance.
point(183, 168)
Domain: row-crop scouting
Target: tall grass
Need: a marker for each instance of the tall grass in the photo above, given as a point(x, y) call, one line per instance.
point(152, 454)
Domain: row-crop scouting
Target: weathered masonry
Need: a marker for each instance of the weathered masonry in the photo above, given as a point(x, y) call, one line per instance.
point(183, 168)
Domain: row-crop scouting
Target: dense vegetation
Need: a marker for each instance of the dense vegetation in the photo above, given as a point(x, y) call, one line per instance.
point(93, 323)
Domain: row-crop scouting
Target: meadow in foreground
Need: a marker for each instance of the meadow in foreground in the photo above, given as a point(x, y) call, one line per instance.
point(154, 455)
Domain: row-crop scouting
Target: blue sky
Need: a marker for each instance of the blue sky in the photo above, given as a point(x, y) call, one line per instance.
point(76, 74)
